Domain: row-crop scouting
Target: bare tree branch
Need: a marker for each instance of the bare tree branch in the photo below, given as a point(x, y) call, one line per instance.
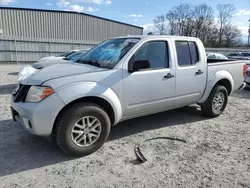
point(198, 21)
point(160, 25)
point(225, 15)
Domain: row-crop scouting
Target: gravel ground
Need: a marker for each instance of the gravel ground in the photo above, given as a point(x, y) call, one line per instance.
point(216, 152)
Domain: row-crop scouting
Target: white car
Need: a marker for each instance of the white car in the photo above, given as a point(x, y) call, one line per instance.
point(216, 56)
point(58, 57)
point(32, 69)
point(69, 58)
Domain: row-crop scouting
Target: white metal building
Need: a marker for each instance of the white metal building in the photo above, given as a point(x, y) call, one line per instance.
point(26, 35)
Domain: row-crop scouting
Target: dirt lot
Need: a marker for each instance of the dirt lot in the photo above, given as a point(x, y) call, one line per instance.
point(216, 154)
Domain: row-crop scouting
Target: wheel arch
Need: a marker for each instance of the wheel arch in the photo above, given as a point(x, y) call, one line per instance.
point(94, 92)
point(107, 107)
point(223, 78)
point(226, 83)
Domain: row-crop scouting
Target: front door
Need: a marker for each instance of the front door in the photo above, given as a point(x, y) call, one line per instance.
point(153, 89)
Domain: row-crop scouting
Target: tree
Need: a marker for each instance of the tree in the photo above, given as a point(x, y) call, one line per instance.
point(171, 18)
point(204, 18)
point(198, 21)
point(225, 15)
point(231, 36)
point(184, 14)
point(211, 39)
point(160, 24)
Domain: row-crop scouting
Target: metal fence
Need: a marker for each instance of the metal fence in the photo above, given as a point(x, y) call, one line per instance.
point(226, 51)
point(28, 50)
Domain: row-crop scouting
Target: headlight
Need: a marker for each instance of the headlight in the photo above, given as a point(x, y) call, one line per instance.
point(38, 93)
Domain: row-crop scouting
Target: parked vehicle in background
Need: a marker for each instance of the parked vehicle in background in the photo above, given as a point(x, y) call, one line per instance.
point(239, 55)
point(247, 78)
point(32, 69)
point(119, 79)
point(246, 55)
point(233, 56)
point(57, 57)
point(216, 56)
point(70, 58)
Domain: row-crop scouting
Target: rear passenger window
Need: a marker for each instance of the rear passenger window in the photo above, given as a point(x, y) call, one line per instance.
point(183, 53)
point(187, 53)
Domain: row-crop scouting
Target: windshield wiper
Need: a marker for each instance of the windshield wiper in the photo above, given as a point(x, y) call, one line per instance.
point(65, 58)
point(89, 62)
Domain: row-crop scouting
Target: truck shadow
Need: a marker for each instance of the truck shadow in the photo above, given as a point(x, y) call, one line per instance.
point(20, 151)
point(13, 73)
point(244, 94)
point(156, 121)
point(7, 89)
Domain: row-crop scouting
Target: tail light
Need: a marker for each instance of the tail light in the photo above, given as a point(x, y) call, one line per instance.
point(244, 70)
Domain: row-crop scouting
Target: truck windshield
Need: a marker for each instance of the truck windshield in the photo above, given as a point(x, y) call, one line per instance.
point(75, 56)
point(108, 53)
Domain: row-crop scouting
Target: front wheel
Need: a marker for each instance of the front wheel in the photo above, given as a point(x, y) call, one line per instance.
point(216, 102)
point(82, 129)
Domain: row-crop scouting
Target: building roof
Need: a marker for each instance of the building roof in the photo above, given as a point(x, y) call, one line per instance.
point(70, 12)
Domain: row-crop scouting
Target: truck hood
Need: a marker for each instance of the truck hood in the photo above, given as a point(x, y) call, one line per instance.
point(42, 64)
point(59, 70)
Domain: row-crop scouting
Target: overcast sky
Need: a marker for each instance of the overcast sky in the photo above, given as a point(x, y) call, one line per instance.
point(136, 12)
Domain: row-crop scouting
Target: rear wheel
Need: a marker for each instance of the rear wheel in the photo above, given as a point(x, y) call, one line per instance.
point(82, 129)
point(216, 102)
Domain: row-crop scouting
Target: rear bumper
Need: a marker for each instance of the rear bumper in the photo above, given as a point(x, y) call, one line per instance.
point(37, 118)
point(243, 85)
point(247, 79)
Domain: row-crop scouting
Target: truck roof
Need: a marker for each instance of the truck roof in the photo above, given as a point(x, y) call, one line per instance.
point(156, 36)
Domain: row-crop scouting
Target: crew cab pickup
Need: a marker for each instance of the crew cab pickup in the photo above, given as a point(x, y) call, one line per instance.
point(119, 79)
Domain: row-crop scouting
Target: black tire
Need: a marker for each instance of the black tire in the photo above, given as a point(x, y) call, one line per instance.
point(69, 117)
point(207, 107)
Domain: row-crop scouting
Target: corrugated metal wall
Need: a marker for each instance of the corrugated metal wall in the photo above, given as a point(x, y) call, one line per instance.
point(28, 51)
point(27, 35)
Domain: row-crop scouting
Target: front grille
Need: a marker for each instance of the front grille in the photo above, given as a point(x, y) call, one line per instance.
point(20, 95)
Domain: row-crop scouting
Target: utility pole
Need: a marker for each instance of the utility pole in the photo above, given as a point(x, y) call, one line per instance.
point(248, 34)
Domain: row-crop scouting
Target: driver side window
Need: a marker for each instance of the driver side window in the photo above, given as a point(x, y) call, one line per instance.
point(156, 52)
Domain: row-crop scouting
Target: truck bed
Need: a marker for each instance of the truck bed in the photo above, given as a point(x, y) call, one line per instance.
point(210, 61)
point(233, 68)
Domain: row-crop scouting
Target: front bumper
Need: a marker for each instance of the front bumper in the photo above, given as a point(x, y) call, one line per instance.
point(37, 118)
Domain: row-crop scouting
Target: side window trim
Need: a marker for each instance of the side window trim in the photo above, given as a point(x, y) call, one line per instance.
point(197, 52)
point(190, 53)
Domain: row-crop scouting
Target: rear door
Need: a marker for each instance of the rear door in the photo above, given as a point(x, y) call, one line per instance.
point(190, 72)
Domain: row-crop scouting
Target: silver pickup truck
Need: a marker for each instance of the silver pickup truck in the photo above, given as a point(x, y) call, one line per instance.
point(119, 79)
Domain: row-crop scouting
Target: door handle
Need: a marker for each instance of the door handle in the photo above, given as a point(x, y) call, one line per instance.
point(169, 75)
point(199, 72)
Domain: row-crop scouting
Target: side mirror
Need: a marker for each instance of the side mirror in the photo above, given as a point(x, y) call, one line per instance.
point(138, 65)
